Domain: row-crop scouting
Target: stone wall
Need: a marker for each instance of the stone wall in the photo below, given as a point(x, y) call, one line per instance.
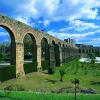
point(84, 50)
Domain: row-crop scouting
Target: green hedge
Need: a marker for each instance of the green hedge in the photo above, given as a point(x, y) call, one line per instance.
point(30, 67)
point(57, 62)
point(45, 65)
point(7, 73)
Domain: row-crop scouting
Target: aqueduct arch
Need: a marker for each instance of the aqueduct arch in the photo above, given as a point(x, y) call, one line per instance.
point(56, 53)
point(30, 53)
point(43, 46)
point(45, 55)
point(12, 44)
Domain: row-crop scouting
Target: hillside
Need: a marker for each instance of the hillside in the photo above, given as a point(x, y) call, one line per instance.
point(88, 75)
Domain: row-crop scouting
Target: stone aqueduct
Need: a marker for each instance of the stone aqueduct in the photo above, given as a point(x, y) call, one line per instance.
point(18, 31)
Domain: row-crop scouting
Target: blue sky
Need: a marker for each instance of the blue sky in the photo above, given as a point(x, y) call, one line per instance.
point(76, 19)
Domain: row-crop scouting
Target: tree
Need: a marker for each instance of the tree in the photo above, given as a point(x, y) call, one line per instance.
point(0, 57)
point(62, 72)
point(92, 57)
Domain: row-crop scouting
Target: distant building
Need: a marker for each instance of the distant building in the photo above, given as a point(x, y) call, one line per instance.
point(88, 49)
point(72, 41)
point(97, 51)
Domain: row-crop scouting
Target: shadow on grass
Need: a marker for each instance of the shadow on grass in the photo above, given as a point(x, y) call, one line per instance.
point(52, 81)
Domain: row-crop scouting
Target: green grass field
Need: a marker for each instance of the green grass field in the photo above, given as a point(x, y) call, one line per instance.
point(41, 96)
point(88, 74)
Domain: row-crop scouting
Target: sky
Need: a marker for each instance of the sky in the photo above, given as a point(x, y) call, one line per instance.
point(75, 19)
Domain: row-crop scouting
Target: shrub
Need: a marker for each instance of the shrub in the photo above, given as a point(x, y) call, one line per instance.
point(51, 70)
point(45, 65)
point(92, 57)
point(7, 73)
point(30, 67)
point(0, 57)
point(57, 62)
point(92, 61)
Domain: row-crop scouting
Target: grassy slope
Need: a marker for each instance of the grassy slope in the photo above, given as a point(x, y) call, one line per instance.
point(38, 81)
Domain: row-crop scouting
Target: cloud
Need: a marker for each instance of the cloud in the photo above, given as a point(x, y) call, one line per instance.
point(80, 26)
point(73, 35)
point(46, 22)
point(4, 34)
point(51, 9)
point(95, 42)
point(84, 38)
point(13, 7)
point(24, 20)
point(77, 36)
point(74, 9)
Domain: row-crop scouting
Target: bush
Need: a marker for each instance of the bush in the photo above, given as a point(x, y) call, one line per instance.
point(92, 57)
point(45, 65)
point(7, 73)
point(0, 57)
point(30, 67)
point(51, 70)
point(57, 62)
point(92, 61)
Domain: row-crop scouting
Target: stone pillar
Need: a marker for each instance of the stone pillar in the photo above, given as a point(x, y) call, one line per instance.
point(67, 53)
point(20, 60)
point(39, 58)
point(75, 52)
point(52, 55)
point(70, 52)
point(80, 51)
point(60, 51)
point(63, 54)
